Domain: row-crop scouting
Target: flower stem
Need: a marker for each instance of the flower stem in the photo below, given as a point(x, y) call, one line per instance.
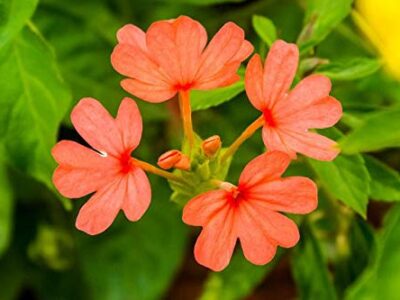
point(157, 171)
point(248, 132)
point(186, 112)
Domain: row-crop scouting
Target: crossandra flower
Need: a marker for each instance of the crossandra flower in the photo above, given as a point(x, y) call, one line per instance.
point(172, 56)
point(288, 115)
point(108, 169)
point(250, 213)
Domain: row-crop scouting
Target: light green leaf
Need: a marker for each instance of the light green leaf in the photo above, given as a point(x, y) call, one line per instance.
point(238, 280)
point(321, 17)
point(206, 99)
point(265, 29)
point(310, 269)
point(346, 178)
point(381, 278)
point(6, 210)
point(351, 69)
point(385, 182)
point(33, 102)
point(380, 130)
point(13, 16)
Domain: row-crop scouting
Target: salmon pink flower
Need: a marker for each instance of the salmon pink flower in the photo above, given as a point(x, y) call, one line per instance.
point(288, 115)
point(250, 213)
point(172, 56)
point(108, 170)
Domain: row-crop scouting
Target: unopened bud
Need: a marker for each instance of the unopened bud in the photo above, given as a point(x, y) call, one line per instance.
point(174, 159)
point(211, 145)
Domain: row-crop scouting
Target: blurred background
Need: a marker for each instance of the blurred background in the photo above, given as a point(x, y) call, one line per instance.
point(52, 53)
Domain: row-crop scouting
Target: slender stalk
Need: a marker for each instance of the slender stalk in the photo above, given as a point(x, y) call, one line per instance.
point(248, 132)
point(186, 112)
point(157, 171)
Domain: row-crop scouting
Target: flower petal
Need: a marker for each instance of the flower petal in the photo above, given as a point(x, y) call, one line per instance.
point(148, 92)
point(132, 35)
point(254, 82)
point(264, 168)
point(98, 213)
point(216, 242)
point(226, 76)
point(279, 71)
point(274, 141)
point(292, 195)
point(200, 210)
point(129, 122)
point(97, 126)
point(244, 52)
point(82, 170)
point(138, 195)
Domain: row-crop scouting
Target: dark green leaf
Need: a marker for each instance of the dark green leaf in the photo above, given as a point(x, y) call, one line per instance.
point(385, 182)
point(346, 178)
point(6, 210)
point(265, 29)
point(378, 131)
point(33, 102)
point(321, 17)
point(351, 69)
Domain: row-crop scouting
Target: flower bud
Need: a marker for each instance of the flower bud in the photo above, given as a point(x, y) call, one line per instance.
point(211, 145)
point(174, 159)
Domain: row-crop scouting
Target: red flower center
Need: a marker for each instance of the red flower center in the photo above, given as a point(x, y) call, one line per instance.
point(183, 86)
point(269, 118)
point(126, 163)
point(236, 196)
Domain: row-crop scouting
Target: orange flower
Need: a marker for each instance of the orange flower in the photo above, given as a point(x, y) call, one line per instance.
point(172, 56)
point(109, 170)
point(249, 212)
point(288, 115)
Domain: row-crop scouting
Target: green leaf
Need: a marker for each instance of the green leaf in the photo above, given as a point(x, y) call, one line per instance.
point(238, 280)
point(206, 99)
point(385, 182)
point(206, 2)
point(310, 269)
point(136, 260)
point(13, 16)
point(265, 29)
point(346, 178)
point(6, 210)
point(321, 17)
point(351, 69)
point(381, 279)
point(33, 102)
point(380, 130)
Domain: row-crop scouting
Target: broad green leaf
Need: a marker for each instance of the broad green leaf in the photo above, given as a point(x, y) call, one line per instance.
point(346, 178)
point(380, 130)
point(206, 99)
point(6, 209)
point(310, 269)
point(385, 182)
point(238, 280)
point(381, 279)
point(321, 17)
point(33, 102)
point(351, 69)
point(136, 260)
point(14, 14)
point(265, 29)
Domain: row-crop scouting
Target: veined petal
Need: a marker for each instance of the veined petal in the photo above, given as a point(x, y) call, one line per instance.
point(274, 141)
point(264, 168)
point(244, 52)
point(254, 82)
point(215, 244)
point(200, 210)
point(98, 213)
point(138, 195)
point(292, 195)
point(129, 122)
point(226, 76)
point(132, 35)
point(148, 92)
point(279, 71)
point(97, 126)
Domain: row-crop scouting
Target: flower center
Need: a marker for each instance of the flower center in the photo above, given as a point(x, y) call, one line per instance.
point(269, 118)
point(126, 163)
point(183, 86)
point(235, 194)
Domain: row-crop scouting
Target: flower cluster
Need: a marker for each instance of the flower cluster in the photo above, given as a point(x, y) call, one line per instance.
point(172, 58)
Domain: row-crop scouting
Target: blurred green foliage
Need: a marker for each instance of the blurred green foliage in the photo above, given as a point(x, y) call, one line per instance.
point(53, 52)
